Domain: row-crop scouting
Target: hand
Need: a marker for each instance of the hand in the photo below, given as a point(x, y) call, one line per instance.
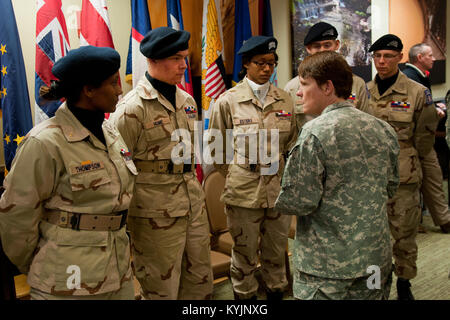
point(440, 111)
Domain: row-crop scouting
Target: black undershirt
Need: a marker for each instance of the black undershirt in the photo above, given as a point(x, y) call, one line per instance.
point(384, 84)
point(167, 90)
point(91, 120)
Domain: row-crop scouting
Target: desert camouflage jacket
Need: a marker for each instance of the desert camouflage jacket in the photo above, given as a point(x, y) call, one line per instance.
point(408, 107)
point(60, 165)
point(147, 122)
point(240, 111)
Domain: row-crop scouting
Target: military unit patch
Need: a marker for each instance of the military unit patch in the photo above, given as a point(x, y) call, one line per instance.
point(428, 97)
point(87, 166)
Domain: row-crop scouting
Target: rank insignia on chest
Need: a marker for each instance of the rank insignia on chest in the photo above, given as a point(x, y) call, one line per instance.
point(126, 154)
point(400, 105)
point(283, 114)
point(352, 97)
point(87, 166)
point(191, 111)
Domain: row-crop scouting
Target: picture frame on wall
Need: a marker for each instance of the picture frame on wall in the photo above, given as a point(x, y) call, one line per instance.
point(351, 18)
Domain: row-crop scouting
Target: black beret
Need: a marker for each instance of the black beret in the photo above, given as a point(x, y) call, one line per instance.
point(259, 45)
point(387, 42)
point(319, 32)
point(87, 63)
point(164, 42)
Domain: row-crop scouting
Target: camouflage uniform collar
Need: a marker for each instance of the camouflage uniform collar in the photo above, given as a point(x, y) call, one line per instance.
point(245, 93)
point(146, 91)
point(337, 105)
point(74, 131)
point(399, 86)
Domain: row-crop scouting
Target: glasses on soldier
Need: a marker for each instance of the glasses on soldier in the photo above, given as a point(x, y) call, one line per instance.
point(386, 56)
point(262, 64)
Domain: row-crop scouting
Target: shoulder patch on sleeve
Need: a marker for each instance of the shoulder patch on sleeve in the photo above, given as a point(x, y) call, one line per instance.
point(428, 97)
point(367, 91)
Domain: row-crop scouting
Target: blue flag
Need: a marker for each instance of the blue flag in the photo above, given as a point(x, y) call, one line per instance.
point(242, 31)
point(14, 98)
point(140, 25)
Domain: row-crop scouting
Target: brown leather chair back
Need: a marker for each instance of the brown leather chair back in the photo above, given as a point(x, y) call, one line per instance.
point(213, 187)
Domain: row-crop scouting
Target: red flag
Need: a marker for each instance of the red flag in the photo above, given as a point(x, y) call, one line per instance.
point(95, 29)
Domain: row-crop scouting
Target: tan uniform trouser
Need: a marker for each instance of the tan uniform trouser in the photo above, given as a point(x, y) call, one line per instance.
point(404, 217)
point(256, 231)
point(432, 190)
point(124, 293)
point(171, 257)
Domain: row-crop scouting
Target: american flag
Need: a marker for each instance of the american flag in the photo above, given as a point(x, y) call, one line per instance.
point(213, 70)
point(52, 43)
point(214, 83)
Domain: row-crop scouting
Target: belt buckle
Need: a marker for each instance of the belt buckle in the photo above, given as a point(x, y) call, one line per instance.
point(63, 219)
point(170, 167)
point(123, 221)
point(75, 221)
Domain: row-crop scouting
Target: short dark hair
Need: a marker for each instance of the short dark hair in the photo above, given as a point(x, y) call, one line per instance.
point(328, 65)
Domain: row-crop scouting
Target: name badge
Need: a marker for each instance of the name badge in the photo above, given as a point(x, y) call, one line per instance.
point(156, 123)
point(245, 121)
point(87, 166)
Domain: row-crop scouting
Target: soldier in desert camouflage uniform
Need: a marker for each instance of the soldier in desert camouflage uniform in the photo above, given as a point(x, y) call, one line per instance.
point(408, 107)
point(323, 37)
point(168, 221)
point(337, 180)
point(250, 194)
point(65, 205)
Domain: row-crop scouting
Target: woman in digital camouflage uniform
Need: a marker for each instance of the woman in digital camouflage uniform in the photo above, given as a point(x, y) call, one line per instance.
point(64, 209)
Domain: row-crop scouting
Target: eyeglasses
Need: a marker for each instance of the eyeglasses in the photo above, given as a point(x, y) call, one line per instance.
point(262, 64)
point(386, 56)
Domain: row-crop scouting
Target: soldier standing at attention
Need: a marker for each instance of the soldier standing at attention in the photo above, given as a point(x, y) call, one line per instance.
point(250, 192)
point(408, 107)
point(323, 37)
point(338, 178)
point(64, 209)
point(168, 221)
point(421, 61)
